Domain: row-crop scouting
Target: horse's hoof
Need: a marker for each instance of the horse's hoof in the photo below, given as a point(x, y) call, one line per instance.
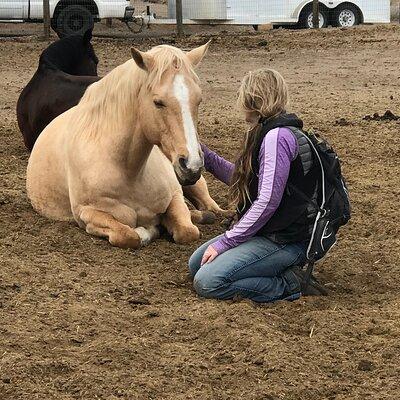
point(187, 235)
point(134, 242)
point(128, 239)
point(208, 218)
point(202, 217)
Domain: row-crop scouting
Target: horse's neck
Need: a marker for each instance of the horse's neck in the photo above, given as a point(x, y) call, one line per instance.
point(137, 153)
point(64, 55)
point(120, 128)
point(61, 64)
point(113, 100)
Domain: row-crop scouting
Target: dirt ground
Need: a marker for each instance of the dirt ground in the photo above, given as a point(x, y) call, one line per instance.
point(80, 319)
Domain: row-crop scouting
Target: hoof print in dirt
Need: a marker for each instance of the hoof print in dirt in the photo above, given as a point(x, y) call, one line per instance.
point(152, 314)
point(388, 116)
point(342, 122)
point(139, 301)
point(77, 341)
point(365, 365)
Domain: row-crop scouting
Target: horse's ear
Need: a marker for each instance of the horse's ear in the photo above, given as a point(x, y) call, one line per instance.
point(196, 55)
point(142, 60)
point(87, 37)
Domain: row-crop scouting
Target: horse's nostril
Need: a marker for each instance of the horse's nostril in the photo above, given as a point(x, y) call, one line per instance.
point(183, 162)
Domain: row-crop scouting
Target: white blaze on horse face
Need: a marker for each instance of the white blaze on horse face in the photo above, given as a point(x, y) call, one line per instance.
point(181, 93)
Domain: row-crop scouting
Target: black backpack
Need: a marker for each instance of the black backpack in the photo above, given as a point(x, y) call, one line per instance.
point(333, 210)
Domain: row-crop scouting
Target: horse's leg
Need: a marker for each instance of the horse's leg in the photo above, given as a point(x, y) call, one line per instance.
point(199, 196)
point(103, 224)
point(177, 220)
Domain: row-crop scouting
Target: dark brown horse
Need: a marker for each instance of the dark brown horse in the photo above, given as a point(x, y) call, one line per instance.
point(66, 68)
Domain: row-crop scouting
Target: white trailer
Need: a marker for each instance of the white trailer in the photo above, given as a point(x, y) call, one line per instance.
point(342, 13)
point(67, 16)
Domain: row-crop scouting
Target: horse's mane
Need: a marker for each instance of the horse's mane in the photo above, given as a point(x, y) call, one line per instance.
point(104, 100)
point(66, 53)
point(166, 57)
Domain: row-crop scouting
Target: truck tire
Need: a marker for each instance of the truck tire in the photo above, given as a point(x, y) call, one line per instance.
point(306, 18)
point(73, 20)
point(345, 16)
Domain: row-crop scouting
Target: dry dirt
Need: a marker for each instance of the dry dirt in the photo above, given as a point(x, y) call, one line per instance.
point(80, 319)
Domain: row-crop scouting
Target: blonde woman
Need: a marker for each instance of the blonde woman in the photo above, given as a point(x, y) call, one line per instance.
point(261, 256)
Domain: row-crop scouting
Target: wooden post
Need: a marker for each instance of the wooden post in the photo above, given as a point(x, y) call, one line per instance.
point(315, 14)
point(46, 19)
point(179, 18)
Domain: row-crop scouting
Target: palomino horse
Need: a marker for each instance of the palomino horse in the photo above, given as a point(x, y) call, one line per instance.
point(66, 68)
point(114, 163)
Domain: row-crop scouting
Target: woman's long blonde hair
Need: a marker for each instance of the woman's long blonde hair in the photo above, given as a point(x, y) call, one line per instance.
point(263, 92)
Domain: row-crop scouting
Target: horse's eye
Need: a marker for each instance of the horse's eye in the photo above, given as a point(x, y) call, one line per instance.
point(159, 104)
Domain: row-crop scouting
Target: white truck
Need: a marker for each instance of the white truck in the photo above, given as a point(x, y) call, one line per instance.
point(342, 13)
point(67, 16)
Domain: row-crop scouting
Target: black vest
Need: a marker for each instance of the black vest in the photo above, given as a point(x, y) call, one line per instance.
point(294, 218)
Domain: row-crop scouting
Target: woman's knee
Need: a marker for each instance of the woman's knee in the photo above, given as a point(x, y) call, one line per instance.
point(195, 262)
point(195, 259)
point(207, 284)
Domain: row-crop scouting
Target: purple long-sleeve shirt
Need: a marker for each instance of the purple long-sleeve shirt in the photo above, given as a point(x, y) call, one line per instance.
point(278, 149)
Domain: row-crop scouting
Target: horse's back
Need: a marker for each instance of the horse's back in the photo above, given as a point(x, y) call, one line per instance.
point(47, 176)
point(26, 106)
point(48, 94)
point(37, 105)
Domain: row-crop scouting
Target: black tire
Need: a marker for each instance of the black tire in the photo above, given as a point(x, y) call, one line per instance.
point(306, 16)
point(73, 20)
point(345, 16)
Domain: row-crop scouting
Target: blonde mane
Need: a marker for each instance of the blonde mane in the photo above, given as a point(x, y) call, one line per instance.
point(166, 57)
point(111, 101)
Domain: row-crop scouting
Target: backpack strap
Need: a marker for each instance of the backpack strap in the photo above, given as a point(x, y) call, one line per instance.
point(305, 151)
point(304, 138)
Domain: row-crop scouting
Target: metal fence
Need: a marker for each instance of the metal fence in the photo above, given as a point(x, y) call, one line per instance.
point(71, 16)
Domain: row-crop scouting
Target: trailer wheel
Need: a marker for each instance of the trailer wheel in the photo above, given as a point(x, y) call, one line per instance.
point(346, 15)
point(73, 20)
point(306, 17)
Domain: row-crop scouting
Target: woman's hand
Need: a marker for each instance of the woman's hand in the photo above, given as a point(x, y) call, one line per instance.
point(209, 255)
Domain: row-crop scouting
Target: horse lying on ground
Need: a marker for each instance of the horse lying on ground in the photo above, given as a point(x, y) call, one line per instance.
point(66, 68)
point(115, 163)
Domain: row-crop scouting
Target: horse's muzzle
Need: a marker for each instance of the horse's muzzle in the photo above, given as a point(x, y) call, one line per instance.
point(187, 177)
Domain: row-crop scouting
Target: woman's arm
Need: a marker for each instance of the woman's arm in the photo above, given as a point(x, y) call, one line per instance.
point(222, 169)
point(278, 150)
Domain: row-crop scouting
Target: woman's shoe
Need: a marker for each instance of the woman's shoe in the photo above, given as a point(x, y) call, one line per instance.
point(313, 287)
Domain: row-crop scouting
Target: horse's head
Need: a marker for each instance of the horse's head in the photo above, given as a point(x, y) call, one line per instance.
point(72, 54)
point(170, 104)
point(87, 64)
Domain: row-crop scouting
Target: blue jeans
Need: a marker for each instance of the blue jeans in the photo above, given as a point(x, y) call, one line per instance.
point(257, 269)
